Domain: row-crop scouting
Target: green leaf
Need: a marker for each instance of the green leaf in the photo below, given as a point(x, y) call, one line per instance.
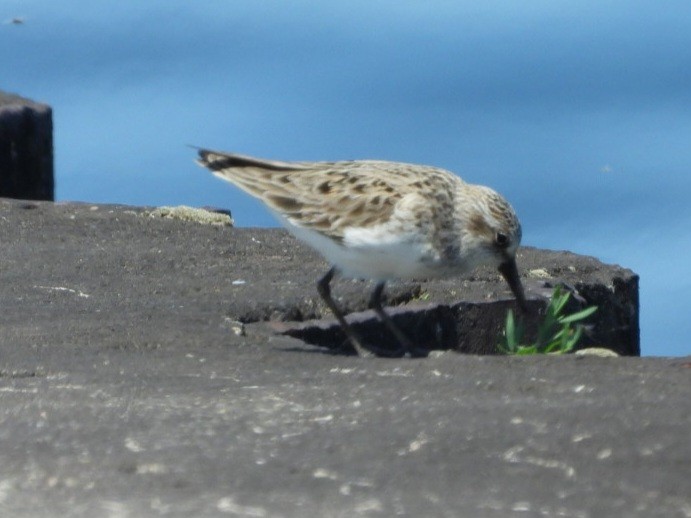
point(558, 300)
point(550, 347)
point(580, 315)
point(571, 342)
point(510, 332)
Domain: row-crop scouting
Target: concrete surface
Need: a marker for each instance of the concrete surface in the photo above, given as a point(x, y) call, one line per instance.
point(128, 388)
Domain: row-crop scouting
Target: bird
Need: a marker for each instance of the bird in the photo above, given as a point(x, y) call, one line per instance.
point(381, 220)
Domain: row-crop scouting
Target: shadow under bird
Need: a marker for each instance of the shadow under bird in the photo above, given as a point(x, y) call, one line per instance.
point(382, 220)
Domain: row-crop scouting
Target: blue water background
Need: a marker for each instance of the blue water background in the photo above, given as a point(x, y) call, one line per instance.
point(578, 112)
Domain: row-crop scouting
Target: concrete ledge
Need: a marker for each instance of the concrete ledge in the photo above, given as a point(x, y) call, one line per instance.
point(174, 270)
point(130, 388)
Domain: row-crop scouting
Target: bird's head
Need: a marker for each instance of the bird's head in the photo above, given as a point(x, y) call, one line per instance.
point(494, 233)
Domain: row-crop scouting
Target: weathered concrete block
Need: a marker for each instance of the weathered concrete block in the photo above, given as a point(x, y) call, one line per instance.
point(26, 149)
point(473, 325)
point(150, 281)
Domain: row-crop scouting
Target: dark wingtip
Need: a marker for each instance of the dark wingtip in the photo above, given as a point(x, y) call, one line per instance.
point(202, 155)
point(217, 160)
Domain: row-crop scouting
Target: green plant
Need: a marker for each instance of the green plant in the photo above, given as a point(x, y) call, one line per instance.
point(423, 296)
point(556, 334)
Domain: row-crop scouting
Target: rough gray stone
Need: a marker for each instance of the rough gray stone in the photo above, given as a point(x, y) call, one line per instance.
point(26, 149)
point(265, 275)
point(130, 388)
point(260, 275)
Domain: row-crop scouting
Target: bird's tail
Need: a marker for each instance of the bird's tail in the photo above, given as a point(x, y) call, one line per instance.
point(219, 161)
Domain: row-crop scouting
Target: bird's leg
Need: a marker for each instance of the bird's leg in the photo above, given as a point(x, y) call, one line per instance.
point(403, 341)
point(325, 291)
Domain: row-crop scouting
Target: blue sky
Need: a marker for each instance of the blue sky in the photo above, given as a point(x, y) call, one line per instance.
point(578, 112)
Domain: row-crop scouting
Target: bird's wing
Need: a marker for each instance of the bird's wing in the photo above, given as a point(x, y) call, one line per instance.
point(323, 196)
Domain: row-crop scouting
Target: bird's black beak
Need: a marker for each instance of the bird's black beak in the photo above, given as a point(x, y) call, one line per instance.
point(509, 271)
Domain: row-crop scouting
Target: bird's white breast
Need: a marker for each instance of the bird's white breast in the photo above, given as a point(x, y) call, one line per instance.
point(373, 253)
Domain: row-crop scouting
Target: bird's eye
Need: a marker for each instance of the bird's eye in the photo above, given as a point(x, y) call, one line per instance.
point(501, 239)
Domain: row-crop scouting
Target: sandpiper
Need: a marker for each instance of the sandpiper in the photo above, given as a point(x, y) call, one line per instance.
point(381, 220)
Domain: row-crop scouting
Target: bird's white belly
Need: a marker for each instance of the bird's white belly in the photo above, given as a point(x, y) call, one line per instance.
point(380, 261)
point(376, 254)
